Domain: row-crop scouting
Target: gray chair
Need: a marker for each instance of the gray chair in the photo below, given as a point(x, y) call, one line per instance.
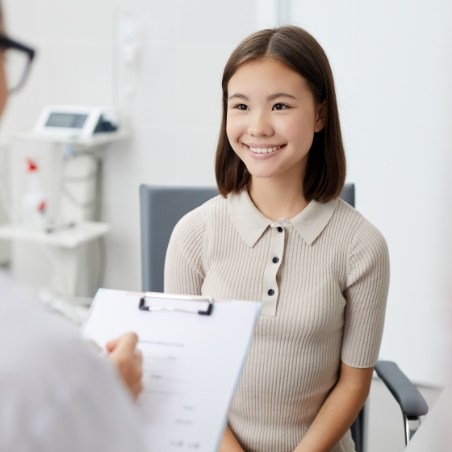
point(161, 208)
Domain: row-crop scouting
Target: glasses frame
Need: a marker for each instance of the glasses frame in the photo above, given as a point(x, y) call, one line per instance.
point(8, 43)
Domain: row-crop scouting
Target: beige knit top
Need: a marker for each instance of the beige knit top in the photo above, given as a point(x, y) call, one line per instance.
point(323, 279)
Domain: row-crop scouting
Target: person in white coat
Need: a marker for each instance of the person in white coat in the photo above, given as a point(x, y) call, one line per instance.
point(57, 392)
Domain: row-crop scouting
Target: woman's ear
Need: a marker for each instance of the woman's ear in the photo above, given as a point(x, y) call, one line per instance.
point(320, 120)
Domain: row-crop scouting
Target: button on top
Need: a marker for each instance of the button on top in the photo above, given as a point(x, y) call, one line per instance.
point(275, 260)
point(280, 229)
point(271, 292)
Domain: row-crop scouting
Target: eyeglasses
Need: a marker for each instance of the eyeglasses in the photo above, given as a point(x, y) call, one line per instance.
point(18, 58)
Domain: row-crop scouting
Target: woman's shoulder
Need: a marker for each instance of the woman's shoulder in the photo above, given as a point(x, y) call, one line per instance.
point(198, 218)
point(361, 232)
point(193, 230)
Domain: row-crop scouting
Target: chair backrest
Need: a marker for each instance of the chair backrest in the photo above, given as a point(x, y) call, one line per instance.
point(161, 208)
point(348, 193)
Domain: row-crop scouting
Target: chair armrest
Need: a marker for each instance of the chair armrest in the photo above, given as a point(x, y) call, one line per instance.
point(409, 398)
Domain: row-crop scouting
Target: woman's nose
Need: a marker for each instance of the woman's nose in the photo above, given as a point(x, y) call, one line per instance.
point(259, 124)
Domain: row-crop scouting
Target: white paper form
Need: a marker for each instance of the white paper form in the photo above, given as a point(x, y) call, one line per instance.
point(191, 362)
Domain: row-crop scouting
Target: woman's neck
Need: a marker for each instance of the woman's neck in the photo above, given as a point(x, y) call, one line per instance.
point(277, 199)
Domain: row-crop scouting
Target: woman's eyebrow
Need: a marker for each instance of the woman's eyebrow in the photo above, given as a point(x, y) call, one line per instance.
point(278, 95)
point(237, 96)
point(271, 97)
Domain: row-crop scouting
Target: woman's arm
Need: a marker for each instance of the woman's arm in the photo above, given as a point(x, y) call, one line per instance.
point(339, 410)
point(229, 442)
point(184, 272)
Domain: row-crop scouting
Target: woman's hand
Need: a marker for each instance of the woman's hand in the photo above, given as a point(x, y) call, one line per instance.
point(128, 361)
point(229, 442)
point(339, 410)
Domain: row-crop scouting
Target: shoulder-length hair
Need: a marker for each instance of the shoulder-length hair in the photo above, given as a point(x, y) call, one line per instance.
point(326, 167)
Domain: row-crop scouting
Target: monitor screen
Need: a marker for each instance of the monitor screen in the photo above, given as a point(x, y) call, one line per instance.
point(66, 120)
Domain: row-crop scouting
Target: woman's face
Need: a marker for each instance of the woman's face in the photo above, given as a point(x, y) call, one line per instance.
point(271, 119)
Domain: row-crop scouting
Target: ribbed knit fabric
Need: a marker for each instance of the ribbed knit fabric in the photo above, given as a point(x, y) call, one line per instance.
point(323, 279)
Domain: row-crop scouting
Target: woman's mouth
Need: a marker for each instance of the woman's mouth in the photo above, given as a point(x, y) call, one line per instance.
point(264, 149)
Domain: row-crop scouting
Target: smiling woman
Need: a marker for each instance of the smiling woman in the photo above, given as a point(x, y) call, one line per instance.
point(279, 234)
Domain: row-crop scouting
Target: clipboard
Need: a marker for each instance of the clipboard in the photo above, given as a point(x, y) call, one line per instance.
point(143, 305)
point(193, 350)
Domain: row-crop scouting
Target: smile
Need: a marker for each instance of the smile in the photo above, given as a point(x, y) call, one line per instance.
point(264, 150)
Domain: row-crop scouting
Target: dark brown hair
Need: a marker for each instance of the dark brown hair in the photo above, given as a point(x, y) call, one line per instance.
point(325, 171)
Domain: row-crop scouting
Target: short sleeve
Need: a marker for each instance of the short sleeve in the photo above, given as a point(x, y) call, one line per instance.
point(366, 295)
point(184, 272)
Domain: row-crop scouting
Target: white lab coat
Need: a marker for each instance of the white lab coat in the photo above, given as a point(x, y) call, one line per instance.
point(56, 393)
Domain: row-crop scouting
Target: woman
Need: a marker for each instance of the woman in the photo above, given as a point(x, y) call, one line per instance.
point(279, 233)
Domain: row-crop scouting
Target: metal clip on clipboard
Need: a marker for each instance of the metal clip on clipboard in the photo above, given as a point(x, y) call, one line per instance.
point(142, 306)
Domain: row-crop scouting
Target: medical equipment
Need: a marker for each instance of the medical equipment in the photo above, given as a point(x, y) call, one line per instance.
point(77, 122)
point(69, 144)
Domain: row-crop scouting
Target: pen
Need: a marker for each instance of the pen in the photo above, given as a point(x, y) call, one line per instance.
point(60, 227)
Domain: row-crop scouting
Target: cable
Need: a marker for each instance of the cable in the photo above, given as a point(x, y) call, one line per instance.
point(90, 176)
point(83, 205)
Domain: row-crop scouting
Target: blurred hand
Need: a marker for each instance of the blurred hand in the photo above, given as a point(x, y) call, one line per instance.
point(128, 361)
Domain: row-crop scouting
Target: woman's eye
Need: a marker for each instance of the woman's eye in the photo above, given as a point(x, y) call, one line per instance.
point(241, 107)
point(280, 106)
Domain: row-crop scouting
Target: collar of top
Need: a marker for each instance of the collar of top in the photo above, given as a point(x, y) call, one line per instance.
point(251, 224)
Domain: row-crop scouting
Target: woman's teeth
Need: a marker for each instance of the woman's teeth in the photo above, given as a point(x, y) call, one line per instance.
point(264, 150)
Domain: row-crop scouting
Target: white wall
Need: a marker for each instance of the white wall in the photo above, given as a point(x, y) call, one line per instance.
point(175, 109)
point(393, 70)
